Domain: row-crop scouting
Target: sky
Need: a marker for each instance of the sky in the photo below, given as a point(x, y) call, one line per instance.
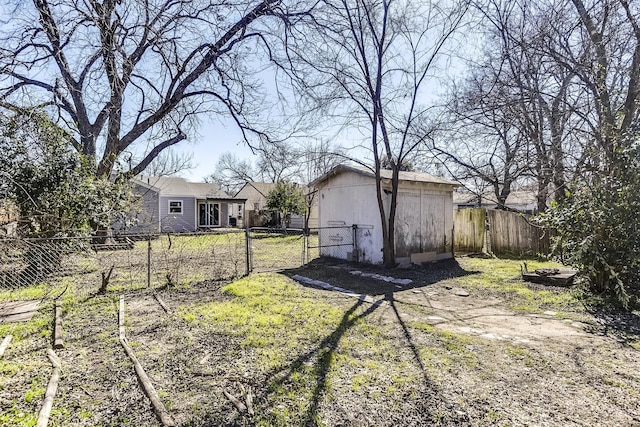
point(214, 139)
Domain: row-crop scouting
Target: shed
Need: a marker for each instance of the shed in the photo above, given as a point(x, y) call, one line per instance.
point(424, 214)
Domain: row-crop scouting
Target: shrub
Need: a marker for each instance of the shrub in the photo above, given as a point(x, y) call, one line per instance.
point(599, 230)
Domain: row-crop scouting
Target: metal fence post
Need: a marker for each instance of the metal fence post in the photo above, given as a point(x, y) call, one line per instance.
point(305, 243)
point(149, 261)
point(247, 242)
point(355, 243)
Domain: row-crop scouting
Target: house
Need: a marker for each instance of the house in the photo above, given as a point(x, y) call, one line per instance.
point(524, 201)
point(8, 218)
point(424, 215)
point(172, 204)
point(256, 194)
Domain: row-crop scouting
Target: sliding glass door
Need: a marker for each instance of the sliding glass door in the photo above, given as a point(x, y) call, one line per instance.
point(208, 214)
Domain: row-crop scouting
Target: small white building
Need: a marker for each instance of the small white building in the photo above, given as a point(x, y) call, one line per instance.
point(424, 215)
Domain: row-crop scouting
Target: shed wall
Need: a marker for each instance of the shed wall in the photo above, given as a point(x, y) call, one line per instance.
point(424, 221)
point(424, 216)
point(349, 199)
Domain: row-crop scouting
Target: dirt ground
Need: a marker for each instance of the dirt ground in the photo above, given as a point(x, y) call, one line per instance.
point(441, 353)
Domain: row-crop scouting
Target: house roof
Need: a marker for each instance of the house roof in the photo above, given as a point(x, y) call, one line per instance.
point(515, 198)
point(385, 174)
point(174, 186)
point(261, 187)
point(264, 188)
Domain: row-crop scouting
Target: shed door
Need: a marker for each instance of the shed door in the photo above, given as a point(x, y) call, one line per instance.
point(433, 232)
point(407, 229)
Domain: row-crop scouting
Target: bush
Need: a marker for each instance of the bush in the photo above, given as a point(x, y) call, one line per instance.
point(599, 230)
point(54, 188)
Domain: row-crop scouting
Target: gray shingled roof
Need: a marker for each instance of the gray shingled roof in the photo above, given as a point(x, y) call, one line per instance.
point(174, 186)
point(386, 174)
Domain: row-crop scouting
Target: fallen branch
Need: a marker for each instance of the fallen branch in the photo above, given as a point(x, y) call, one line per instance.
point(158, 407)
point(58, 342)
point(239, 405)
point(52, 388)
point(105, 281)
point(5, 343)
point(162, 304)
point(249, 400)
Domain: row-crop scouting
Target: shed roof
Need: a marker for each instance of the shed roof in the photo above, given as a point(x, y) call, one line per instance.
point(385, 174)
point(264, 188)
point(175, 186)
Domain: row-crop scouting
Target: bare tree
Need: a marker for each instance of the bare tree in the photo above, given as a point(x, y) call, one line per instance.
point(274, 162)
point(170, 162)
point(607, 64)
point(520, 116)
point(369, 63)
point(118, 73)
point(231, 173)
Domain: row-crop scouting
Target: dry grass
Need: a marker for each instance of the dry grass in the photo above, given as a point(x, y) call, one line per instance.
point(312, 357)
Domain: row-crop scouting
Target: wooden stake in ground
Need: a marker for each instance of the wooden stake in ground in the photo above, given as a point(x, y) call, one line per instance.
point(150, 391)
point(162, 304)
point(52, 388)
point(5, 343)
point(58, 342)
point(105, 281)
point(236, 402)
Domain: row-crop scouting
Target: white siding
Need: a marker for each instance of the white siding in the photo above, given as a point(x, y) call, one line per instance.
point(349, 199)
point(424, 216)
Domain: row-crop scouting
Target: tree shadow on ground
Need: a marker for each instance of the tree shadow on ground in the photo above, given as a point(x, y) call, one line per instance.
point(622, 325)
point(346, 275)
point(427, 403)
point(323, 354)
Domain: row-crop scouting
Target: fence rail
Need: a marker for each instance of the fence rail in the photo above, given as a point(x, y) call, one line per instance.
point(276, 248)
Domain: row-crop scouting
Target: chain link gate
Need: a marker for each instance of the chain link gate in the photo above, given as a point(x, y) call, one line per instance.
point(333, 242)
point(271, 249)
point(275, 248)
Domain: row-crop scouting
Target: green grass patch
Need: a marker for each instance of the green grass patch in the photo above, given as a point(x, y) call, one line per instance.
point(308, 350)
point(270, 313)
point(503, 276)
point(15, 416)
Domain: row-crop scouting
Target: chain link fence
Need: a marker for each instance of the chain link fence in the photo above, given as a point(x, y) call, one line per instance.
point(136, 261)
point(276, 249)
point(336, 242)
point(131, 261)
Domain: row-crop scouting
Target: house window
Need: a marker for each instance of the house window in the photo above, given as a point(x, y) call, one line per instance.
point(256, 206)
point(239, 211)
point(175, 207)
point(208, 214)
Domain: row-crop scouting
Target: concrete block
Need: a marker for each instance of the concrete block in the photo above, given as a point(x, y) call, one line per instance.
point(419, 258)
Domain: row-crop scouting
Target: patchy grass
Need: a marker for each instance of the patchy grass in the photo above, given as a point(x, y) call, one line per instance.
point(502, 277)
point(308, 350)
point(312, 357)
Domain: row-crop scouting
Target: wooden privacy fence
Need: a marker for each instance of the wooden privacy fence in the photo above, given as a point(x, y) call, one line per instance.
point(499, 232)
point(469, 228)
